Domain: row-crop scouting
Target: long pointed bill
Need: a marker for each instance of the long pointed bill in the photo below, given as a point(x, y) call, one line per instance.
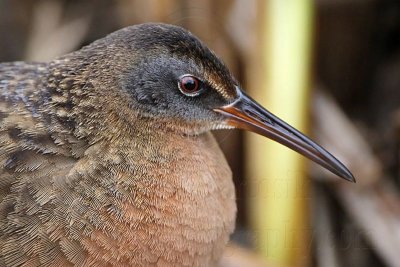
point(245, 113)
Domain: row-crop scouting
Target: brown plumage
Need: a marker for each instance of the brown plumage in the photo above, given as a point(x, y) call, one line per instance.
point(106, 161)
point(86, 181)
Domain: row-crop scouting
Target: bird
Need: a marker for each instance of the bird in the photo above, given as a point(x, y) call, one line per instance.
point(107, 156)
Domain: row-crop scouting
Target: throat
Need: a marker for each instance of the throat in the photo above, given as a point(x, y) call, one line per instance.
point(177, 204)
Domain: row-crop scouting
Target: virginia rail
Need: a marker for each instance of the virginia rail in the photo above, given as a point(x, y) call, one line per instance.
point(107, 157)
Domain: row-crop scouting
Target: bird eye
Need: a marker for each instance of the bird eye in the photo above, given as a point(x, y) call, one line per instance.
point(189, 85)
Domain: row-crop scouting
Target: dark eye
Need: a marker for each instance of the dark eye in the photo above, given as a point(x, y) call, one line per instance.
point(189, 85)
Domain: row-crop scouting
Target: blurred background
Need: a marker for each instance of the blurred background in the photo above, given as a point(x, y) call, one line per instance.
point(328, 67)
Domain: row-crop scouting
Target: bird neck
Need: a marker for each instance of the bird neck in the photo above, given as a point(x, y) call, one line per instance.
point(143, 173)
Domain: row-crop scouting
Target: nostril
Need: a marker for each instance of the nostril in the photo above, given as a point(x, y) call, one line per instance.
point(247, 111)
point(257, 116)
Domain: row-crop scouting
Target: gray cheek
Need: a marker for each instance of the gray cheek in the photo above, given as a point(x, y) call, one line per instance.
point(151, 99)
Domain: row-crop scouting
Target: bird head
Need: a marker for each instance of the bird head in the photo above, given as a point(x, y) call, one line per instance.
point(172, 76)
